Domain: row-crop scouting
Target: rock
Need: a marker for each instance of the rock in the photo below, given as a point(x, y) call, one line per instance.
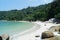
point(5, 37)
point(55, 28)
point(52, 38)
point(59, 31)
point(54, 20)
point(37, 36)
point(47, 34)
point(0, 38)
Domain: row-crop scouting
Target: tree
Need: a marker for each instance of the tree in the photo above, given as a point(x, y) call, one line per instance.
point(57, 16)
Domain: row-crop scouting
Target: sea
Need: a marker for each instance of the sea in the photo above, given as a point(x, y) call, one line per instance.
point(14, 27)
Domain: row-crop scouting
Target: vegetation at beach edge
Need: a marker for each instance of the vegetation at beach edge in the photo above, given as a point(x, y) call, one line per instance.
point(41, 12)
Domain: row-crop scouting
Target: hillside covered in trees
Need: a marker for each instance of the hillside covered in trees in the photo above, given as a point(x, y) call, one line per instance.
point(42, 12)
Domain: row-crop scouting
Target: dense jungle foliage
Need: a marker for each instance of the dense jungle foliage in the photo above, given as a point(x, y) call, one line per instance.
point(42, 12)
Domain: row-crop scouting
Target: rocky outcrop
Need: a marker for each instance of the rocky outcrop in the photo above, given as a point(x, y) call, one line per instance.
point(5, 37)
point(52, 38)
point(47, 34)
point(1, 38)
point(55, 28)
point(53, 20)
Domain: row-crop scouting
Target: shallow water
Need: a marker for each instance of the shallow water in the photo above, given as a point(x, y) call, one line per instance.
point(12, 27)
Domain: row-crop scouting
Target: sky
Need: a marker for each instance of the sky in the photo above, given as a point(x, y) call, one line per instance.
point(20, 4)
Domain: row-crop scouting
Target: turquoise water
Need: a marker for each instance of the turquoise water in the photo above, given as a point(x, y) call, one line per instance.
point(14, 27)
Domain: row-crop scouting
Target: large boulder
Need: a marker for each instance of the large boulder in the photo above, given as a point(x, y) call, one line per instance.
point(54, 28)
point(53, 20)
point(52, 38)
point(47, 34)
point(5, 37)
point(1, 38)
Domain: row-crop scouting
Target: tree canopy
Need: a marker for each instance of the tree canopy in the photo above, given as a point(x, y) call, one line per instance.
point(41, 12)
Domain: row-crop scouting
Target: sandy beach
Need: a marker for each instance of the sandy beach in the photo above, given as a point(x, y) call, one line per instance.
point(37, 29)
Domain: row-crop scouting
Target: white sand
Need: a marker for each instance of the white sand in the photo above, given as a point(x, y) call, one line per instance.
point(36, 30)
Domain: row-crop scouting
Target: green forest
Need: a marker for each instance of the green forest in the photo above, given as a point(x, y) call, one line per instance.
point(41, 12)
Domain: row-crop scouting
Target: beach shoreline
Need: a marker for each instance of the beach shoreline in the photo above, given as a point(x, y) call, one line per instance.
point(28, 31)
point(35, 30)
